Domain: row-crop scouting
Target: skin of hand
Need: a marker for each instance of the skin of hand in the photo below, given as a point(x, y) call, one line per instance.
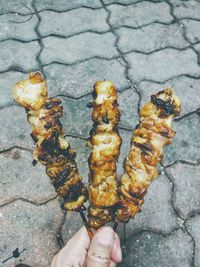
point(102, 251)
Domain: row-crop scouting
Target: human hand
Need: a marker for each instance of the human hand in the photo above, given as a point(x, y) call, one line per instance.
point(102, 251)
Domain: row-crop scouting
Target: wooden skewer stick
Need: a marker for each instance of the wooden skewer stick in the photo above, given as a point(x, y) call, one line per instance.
point(89, 230)
point(115, 226)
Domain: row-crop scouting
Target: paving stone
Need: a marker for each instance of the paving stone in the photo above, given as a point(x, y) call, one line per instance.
point(157, 213)
point(162, 65)
point(186, 9)
point(192, 29)
point(20, 7)
point(154, 250)
point(71, 225)
point(187, 89)
point(7, 80)
point(193, 228)
point(32, 183)
point(76, 118)
point(78, 79)
point(128, 104)
point(151, 37)
point(14, 54)
point(15, 130)
point(82, 155)
point(139, 14)
point(62, 5)
point(125, 147)
point(186, 180)
point(29, 227)
point(78, 47)
point(18, 27)
point(186, 144)
point(121, 233)
point(77, 20)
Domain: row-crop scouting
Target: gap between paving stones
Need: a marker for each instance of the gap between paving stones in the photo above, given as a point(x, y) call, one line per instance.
point(28, 201)
point(39, 39)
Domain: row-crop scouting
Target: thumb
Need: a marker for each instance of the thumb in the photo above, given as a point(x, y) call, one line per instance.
point(101, 247)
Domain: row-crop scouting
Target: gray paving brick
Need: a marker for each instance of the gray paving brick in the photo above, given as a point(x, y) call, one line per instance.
point(186, 144)
point(83, 76)
point(139, 14)
point(128, 103)
point(154, 250)
point(192, 29)
point(157, 213)
point(186, 180)
point(82, 155)
point(193, 227)
point(71, 225)
point(78, 47)
point(24, 7)
point(29, 227)
point(77, 20)
point(76, 118)
point(18, 55)
point(15, 130)
point(125, 146)
point(162, 65)
point(7, 80)
point(32, 183)
point(186, 9)
point(61, 5)
point(186, 88)
point(16, 26)
point(151, 37)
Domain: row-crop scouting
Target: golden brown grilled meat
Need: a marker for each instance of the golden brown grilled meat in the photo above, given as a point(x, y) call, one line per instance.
point(148, 140)
point(51, 148)
point(105, 142)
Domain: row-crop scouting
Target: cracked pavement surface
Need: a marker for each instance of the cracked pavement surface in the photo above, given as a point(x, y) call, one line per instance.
point(143, 46)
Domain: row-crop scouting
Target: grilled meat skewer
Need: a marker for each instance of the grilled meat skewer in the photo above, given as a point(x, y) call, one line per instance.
point(105, 142)
point(51, 148)
point(148, 140)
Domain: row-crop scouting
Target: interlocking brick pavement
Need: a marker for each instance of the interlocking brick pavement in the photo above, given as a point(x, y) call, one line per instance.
point(142, 46)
